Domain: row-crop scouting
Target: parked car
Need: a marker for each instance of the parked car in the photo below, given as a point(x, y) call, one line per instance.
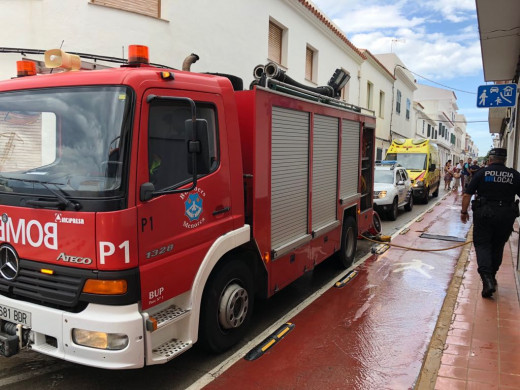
point(392, 189)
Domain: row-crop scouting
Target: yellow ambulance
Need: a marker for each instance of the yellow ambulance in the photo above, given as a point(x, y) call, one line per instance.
point(420, 157)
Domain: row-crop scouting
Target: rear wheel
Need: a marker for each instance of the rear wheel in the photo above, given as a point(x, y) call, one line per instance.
point(392, 213)
point(227, 305)
point(349, 234)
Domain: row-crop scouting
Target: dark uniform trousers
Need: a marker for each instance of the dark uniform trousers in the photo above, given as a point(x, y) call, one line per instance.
point(493, 225)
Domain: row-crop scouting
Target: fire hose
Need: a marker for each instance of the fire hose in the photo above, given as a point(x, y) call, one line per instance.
point(416, 249)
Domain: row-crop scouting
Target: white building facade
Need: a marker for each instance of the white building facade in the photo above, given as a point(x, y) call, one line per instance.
point(376, 87)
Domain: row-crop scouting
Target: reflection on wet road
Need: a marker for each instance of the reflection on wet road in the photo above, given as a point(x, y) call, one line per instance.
point(371, 334)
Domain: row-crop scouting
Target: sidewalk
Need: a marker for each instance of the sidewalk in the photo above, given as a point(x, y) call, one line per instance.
point(482, 348)
point(408, 320)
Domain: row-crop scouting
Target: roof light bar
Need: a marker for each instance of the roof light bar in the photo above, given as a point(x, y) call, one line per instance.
point(138, 54)
point(25, 68)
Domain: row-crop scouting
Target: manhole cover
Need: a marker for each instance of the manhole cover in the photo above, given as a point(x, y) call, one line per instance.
point(440, 237)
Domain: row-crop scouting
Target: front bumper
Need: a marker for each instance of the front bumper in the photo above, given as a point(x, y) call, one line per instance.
point(51, 333)
point(419, 192)
point(382, 207)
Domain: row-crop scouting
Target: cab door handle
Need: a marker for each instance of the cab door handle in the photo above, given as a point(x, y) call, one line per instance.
point(221, 211)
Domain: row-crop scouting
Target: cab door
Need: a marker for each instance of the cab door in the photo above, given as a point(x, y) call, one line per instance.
point(401, 186)
point(176, 230)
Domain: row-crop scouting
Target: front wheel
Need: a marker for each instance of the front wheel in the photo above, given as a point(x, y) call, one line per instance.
point(436, 192)
point(426, 197)
point(392, 213)
point(409, 205)
point(227, 305)
point(349, 234)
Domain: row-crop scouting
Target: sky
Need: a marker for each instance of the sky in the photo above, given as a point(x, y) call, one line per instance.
point(438, 42)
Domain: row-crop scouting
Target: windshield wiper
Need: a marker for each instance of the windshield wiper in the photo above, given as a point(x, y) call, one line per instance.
point(62, 202)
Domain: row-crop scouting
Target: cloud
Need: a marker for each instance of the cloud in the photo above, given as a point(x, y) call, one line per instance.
point(453, 11)
point(425, 36)
point(432, 56)
point(383, 16)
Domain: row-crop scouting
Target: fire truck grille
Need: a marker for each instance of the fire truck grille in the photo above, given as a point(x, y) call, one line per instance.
point(62, 289)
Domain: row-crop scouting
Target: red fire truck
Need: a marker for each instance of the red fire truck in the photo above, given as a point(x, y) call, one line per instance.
point(144, 209)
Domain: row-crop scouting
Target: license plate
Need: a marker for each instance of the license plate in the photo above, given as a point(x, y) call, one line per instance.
point(14, 315)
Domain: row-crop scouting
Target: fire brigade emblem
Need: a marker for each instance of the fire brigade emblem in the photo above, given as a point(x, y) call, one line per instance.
point(193, 207)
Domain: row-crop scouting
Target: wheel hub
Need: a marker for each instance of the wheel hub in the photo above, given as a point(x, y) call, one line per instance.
point(234, 304)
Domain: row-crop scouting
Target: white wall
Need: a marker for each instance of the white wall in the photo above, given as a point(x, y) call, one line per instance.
point(230, 37)
point(381, 80)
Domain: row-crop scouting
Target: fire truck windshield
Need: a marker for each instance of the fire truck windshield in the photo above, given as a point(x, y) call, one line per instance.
point(72, 137)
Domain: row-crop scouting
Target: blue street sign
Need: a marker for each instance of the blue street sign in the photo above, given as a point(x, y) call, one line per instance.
point(496, 95)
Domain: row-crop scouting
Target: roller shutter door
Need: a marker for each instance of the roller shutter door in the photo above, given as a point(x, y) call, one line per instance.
point(349, 158)
point(289, 176)
point(324, 171)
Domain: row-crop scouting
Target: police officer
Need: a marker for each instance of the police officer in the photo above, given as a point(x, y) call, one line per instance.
point(494, 212)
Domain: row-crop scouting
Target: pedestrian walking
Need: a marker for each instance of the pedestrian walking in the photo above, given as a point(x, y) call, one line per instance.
point(448, 175)
point(460, 167)
point(456, 180)
point(466, 173)
point(494, 213)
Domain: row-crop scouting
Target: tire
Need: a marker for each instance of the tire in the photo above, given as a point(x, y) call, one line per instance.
point(409, 205)
point(376, 221)
point(426, 197)
point(226, 307)
point(436, 192)
point(392, 213)
point(349, 235)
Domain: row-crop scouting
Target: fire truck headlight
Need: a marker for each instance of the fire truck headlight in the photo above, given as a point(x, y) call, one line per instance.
point(100, 340)
point(418, 183)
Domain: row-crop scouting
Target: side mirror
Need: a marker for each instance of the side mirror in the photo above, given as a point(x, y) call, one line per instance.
point(400, 183)
point(146, 191)
point(432, 167)
point(197, 138)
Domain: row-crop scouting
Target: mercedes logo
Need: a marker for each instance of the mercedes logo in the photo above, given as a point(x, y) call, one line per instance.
point(8, 262)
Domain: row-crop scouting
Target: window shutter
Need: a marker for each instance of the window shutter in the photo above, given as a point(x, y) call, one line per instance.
point(309, 56)
point(275, 43)
point(145, 7)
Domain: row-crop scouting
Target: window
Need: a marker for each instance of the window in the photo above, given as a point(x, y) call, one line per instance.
point(429, 130)
point(275, 43)
point(398, 102)
point(381, 104)
point(310, 60)
point(78, 136)
point(370, 95)
point(423, 124)
point(408, 105)
point(145, 7)
point(167, 149)
point(379, 154)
